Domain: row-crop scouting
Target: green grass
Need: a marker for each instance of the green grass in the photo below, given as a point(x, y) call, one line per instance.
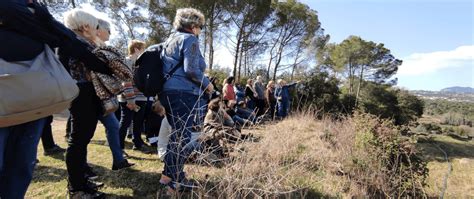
point(460, 154)
point(140, 181)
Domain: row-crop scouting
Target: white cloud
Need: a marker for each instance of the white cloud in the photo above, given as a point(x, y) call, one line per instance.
point(422, 63)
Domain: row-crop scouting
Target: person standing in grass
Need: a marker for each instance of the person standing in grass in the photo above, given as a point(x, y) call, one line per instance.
point(282, 94)
point(182, 92)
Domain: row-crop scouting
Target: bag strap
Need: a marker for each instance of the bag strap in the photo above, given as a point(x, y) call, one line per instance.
point(175, 68)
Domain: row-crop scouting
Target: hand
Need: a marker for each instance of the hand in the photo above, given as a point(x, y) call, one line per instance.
point(132, 106)
point(210, 89)
point(159, 109)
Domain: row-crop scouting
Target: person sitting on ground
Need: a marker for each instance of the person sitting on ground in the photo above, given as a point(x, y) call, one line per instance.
point(228, 89)
point(219, 131)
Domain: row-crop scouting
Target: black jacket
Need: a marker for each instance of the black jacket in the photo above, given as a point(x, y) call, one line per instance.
point(23, 35)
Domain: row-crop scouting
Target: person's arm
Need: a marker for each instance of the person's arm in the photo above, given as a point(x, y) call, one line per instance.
point(291, 85)
point(192, 61)
point(43, 28)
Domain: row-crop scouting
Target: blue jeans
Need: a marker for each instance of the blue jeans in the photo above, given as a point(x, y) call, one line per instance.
point(111, 125)
point(283, 108)
point(181, 112)
point(18, 147)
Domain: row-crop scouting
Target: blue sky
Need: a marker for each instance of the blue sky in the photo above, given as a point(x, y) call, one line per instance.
point(434, 38)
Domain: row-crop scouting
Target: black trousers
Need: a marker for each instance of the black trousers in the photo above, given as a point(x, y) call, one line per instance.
point(136, 119)
point(85, 111)
point(260, 103)
point(152, 121)
point(47, 135)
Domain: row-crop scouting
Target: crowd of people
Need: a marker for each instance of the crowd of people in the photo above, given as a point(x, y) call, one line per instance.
point(190, 116)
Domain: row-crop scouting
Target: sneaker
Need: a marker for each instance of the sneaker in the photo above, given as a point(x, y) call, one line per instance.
point(89, 174)
point(54, 150)
point(94, 184)
point(184, 186)
point(86, 194)
point(124, 164)
point(143, 149)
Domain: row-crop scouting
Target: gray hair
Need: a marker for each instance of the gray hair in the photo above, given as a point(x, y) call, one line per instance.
point(77, 18)
point(188, 17)
point(104, 25)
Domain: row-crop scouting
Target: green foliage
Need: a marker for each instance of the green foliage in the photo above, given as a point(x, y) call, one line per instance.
point(389, 103)
point(382, 162)
point(321, 93)
point(452, 112)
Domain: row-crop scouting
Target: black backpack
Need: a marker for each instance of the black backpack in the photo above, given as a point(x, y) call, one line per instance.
point(149, 76)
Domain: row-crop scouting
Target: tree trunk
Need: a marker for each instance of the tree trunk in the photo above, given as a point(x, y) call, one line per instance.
point(360, 83)
point(277, 63)
point(237, 51)
point(73, 3)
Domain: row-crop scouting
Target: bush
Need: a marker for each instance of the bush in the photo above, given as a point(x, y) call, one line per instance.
point(377, 160)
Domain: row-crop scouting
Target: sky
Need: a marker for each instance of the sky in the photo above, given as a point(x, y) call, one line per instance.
point(435, 38)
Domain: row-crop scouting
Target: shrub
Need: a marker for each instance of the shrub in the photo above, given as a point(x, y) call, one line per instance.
point(376, 159)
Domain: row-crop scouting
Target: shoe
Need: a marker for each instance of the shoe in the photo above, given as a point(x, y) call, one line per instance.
point(86, 194)
point(54, 150)
point(94, 184)
point(124, 164)
point(143, 149)
point(89, 174)
point(129, 136)
point(125, 155)
point(184, 186)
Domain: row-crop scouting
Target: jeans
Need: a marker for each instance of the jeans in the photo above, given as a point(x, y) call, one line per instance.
point(18, 147)
point(282, 107)
point(85, 110)
point(181, 111)
point(47, 134)
point(126, 119)
point(111, 125)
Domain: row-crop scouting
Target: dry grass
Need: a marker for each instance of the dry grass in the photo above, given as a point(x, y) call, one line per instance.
point(296, 158)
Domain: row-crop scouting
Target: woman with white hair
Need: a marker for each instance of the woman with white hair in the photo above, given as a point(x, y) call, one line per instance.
point(85, 110)
point(182, 92)
point(282, 95)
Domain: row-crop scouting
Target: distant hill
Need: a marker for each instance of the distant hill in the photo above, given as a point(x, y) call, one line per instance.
point(458, 89)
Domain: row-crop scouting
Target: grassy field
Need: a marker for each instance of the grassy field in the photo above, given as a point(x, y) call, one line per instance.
point(278, 160)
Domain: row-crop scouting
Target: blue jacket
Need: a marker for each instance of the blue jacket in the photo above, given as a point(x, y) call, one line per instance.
point(190, 77)
point(284, 92)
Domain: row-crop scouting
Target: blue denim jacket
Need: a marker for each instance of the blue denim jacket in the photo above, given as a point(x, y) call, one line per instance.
point(190, 77)
point(283, 91)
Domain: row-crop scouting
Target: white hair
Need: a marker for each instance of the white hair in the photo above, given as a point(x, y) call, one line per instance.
point(77, 18)
point(104, 25)
point(259, 78)
point(188, 17)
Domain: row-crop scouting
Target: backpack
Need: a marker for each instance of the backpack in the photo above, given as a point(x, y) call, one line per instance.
point(149, 76)
point(34, 89)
